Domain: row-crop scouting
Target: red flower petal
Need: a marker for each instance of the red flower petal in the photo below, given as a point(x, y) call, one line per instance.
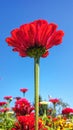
point(55, 39)
point(45, 54)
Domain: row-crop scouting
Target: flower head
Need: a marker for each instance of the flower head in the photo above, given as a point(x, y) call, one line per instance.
point(23, 90)
point(54, 100)
point(8, 97)
point(67, 110)
point(3, 103)
point(22, 107)
point(35, 39)
point(44, 103)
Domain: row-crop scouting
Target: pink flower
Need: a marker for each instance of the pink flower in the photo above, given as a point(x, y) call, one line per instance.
point(35, 39)
point(23, 90)
point(3, 103)
point(8, 97)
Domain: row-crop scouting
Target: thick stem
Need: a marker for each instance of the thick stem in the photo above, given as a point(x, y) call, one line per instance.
point(36, 88)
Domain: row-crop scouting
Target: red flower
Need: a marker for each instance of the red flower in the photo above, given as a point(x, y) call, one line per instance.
point(54, 100)
point(8, 97)
point(27, 122)
point(3, 103)
point(35, 39)
point(22, 107)
point(67, 110)
point(23, 90)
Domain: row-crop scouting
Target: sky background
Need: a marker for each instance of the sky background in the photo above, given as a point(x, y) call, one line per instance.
point(56, 71)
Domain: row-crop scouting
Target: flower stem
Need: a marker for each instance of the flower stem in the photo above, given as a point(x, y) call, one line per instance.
point(36, 85)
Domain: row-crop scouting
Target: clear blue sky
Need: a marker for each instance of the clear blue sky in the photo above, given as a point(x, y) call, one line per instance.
point(56, 71)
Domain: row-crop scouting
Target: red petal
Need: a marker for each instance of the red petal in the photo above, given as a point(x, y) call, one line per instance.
point(55, 39)
point(23, 54)
point(11, 41)
point(40, 22)
point(32, 34)
point(47, 32)
point(39, 25)
point(25, 29)
point(45, 54)
point(19, 37)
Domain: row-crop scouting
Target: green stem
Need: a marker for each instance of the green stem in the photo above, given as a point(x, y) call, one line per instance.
point(36, 85)
point(23, 95)
point(45, 112)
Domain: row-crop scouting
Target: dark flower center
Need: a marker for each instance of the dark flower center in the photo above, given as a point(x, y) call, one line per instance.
point(36, 51)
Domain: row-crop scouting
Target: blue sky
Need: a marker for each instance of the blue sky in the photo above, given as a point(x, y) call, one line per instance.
point(56, 71)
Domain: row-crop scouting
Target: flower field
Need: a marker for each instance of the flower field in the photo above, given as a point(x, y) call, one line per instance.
point(54, 114)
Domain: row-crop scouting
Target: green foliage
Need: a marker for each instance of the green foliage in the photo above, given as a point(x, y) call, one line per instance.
point(7, 120)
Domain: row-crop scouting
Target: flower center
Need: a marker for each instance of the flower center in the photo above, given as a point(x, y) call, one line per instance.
point(36, 51)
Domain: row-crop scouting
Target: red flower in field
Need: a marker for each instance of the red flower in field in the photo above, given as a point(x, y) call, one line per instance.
point(27, 122)
point(54, 100)
point(8, 97)
point(23, 90)
point(3, 103)
point(67, 110)
point(35, 39)
point(22, 107)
